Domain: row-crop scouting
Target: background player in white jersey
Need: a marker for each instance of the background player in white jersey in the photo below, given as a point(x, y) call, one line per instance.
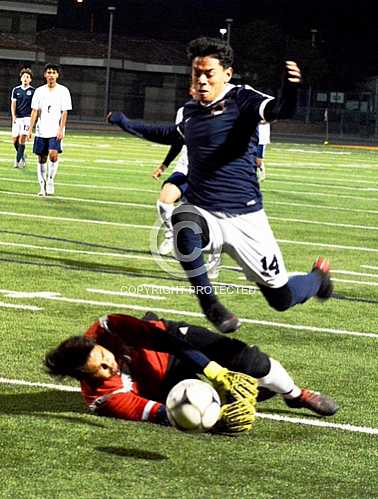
point(263, 131)
point(50, 106)
point(20, 108)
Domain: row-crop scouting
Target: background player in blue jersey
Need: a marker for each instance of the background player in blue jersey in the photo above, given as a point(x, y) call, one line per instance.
point(20, 108)
point(263, 131)
point(223, 206)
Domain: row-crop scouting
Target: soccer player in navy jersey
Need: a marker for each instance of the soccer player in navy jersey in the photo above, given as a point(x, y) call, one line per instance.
point(20, 108)
point(223, 206)
point(126, 367)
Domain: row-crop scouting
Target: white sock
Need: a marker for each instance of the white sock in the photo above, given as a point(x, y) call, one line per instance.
point(52, 169)
point(278, 380)
point(165, 211)
point(41, 173)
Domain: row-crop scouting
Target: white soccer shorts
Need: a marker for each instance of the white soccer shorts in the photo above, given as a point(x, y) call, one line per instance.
point(21, 126)
point(248, 239)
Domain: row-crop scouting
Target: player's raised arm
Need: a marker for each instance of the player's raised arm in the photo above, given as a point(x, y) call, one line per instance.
point(285, 106)
point(161, 134)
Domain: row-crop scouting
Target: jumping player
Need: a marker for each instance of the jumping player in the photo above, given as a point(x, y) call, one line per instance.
point(223, 207)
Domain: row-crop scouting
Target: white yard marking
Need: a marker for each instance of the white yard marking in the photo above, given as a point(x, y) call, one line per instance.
point(322, 207)
point(329, 224)
point(126, 293)
point(369, 267)
point(299, 327)
point(84, 200)
point(32, 308)
point(325, 194)
point(319, 423)
point(29, 294)
point(307, 184)
point(79, 252)
point(294, 177)
point(87, 186)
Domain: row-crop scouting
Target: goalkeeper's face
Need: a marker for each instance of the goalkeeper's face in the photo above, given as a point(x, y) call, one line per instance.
point(101, 363)
point(209, 78)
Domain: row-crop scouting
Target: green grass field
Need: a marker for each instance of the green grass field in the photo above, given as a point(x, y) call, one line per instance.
point(68, 259)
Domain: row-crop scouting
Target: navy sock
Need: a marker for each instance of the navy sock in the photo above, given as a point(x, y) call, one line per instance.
point(20, 152)
point(190, 243)
point(15, 145)
point(303, 287)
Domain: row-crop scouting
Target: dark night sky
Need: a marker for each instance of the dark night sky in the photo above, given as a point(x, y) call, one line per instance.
point(346, 31)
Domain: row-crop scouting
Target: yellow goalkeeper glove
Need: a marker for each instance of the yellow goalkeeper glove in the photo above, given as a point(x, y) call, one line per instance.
point(236, 417)
point(239, 386)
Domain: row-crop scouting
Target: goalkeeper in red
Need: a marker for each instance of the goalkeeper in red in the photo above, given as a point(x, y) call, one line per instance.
point(126, 367)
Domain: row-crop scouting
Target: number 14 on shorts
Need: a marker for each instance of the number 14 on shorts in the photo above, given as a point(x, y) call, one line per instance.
point(272, 266)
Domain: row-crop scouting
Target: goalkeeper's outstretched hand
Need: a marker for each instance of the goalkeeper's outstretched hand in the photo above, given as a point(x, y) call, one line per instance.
point(236, 417)
point(230, 384)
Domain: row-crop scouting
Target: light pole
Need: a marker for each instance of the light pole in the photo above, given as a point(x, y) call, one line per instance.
point(223, 31)
point(108, 60)
point(229, 21)
point(309, 93)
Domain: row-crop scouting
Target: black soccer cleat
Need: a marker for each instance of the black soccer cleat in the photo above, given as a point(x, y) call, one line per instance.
point(321, 266)
point(315, 402)
point(224, 320)
point(150, 316)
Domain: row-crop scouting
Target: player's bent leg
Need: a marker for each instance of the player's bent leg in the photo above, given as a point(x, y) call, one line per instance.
point(192, 234)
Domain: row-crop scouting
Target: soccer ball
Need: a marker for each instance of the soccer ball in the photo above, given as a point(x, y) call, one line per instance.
point(193, 405)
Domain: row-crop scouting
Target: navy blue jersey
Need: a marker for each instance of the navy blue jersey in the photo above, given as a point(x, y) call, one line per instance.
point(23, 98)
point(221, 139)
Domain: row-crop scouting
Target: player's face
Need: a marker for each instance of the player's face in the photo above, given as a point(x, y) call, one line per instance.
point(26, 79)
point(101, 363)
point(209, 78)
point(51, 75)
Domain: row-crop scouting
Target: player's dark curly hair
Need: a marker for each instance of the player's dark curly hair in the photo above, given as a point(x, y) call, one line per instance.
point(69, 357)
point(211, 47)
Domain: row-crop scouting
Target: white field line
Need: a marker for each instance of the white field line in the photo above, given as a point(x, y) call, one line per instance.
point(348, 281)
point(87, 186)
point(320, 207)
point(273, 417)
point(369, 267)
point(86, 200)
point(153, 207)
point(347, 272)
point(32, 308)
point(320, 423)
point(329, 224)
point(79, 252)
point(125, 293)
point(76, 220)
point(344, 187)
point(329, 179)
point(325, 194)
point(200, 315)
point(141, 226)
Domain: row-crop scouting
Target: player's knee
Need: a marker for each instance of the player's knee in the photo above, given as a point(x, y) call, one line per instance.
point(53, 156)
point(254, 362)
point(278, 298)
point(185, 218)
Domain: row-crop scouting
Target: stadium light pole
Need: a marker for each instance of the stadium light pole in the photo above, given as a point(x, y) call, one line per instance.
point(223, 31)
point(111, 11)
point(229, 21)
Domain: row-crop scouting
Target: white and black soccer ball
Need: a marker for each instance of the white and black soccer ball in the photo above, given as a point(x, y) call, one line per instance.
point(193, 405)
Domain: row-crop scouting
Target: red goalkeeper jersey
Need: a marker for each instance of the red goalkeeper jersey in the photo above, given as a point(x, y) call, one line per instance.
point(137, 393)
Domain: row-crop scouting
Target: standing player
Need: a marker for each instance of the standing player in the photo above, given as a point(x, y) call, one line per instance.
point(20, 107)
point(224, 203)
point(50, 106)
point(263, 131)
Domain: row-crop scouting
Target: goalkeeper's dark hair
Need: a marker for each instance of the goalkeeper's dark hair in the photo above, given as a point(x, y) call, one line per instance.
point(211, 47)
point(53, 66)
point(69, 357)
point(27, 71)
